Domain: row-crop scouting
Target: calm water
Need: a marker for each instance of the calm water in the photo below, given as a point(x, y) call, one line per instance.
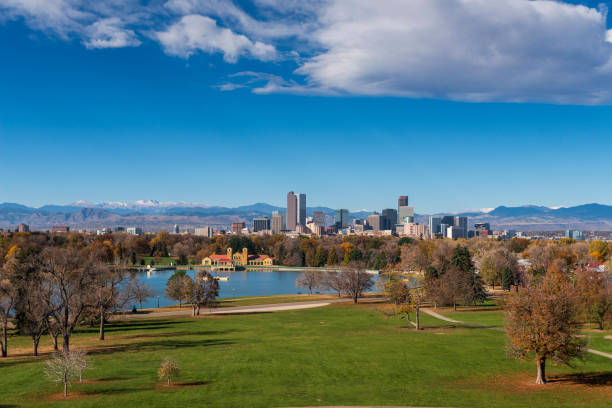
point(243, 283)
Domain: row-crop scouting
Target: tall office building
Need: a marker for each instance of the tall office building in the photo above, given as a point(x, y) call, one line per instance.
point(261, 224)
point(318, 217)
point(341, 218)
point(175, 229)
point(204, 232)
point(434, 226)
point(237, 227)
point(389, 219)
point(277, 224)
point(448, 220)
point(291, 218)
point(461, 223)
point(301, 209)
point(374, 221)
point(404, 212)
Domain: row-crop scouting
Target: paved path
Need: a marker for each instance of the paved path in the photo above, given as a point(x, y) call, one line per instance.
point(274, 307)
point(439, 316)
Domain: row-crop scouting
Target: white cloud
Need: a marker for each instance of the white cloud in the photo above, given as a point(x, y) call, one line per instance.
point(195, 32)
point(470, 50)
point(110, 33)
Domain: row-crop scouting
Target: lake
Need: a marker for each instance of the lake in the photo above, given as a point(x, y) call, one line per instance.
point(241, 283)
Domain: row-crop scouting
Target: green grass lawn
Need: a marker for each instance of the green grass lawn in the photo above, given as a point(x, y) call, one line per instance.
point(336, 355)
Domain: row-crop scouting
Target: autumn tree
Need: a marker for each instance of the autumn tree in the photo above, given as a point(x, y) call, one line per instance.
point(595, 296)
point(397, 291)
point(175, 287)
point(542, 323)
point(332, 281)
point(8, 298)
point(309, 279)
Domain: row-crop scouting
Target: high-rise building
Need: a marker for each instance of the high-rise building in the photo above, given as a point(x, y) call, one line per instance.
point(405, 214)
point(175, 229)
point(402, 201)
point(434, 226)
point(301, 209)
point(237, 227)
point(448, 220)
point(374, 220)
point(134, 231)
point(389, 219)
point(461, 222)
point(318, 217)
point(23, 228)
point(291, 218)
point(277, 224)
point(341, 218)
point(577, 235)
point(261, 224)
point(204, 232)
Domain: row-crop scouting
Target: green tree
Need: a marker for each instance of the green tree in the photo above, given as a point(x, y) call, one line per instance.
point(332, 258)
point(507, 278)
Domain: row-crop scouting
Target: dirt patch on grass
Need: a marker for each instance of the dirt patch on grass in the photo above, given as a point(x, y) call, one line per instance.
point(608, 337)
point(591, 384)
point(181, 384)
point(70, 397)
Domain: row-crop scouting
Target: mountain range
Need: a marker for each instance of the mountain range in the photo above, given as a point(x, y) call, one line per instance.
point(154, 215)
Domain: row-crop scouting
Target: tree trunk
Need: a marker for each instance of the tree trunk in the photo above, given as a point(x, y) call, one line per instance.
point(54, 337)
point(541, 362)
point(66, 345)
point(101, 337)
point(355, 299)
point(35, 340)
point(455, 306)
point(65, 388)
point(168, 381)
point(418, 322)
point(3, 343)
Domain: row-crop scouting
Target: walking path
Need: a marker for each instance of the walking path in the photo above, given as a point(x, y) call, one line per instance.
point(274, 307)
point(439, 316)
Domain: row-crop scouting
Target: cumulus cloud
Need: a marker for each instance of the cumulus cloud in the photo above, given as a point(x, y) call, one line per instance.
point(468, 50)
point(195, 32)
point(110, 33)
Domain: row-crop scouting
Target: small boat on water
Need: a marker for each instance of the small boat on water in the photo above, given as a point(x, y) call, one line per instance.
point(222, 278)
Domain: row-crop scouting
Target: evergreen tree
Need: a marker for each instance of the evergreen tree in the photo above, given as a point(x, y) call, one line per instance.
point(332, 258)
point(507, 278)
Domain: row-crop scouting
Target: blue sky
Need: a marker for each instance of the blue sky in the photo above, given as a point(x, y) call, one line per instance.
point(113, 106)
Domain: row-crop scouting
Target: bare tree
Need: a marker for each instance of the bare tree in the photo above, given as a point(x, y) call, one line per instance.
point(81, 362)
point(355, 281)
point(201, 291)
point(332, 281)
point(175, 287)
point(541, 320)
point(62, 369)
point(105, 293)
point(8, 298)
point(309, 279)
point(168, 370)
point(70, 278)
point(140, 291)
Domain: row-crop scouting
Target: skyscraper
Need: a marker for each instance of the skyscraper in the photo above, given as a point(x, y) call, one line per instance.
point(277, 224)
point(291, 218)
point(389, 219)
point(434, 226)
point(301, 209)
point(341, 218)
point(374, 221)
point(402, 201)
point(261, 224)
point(461, 223)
